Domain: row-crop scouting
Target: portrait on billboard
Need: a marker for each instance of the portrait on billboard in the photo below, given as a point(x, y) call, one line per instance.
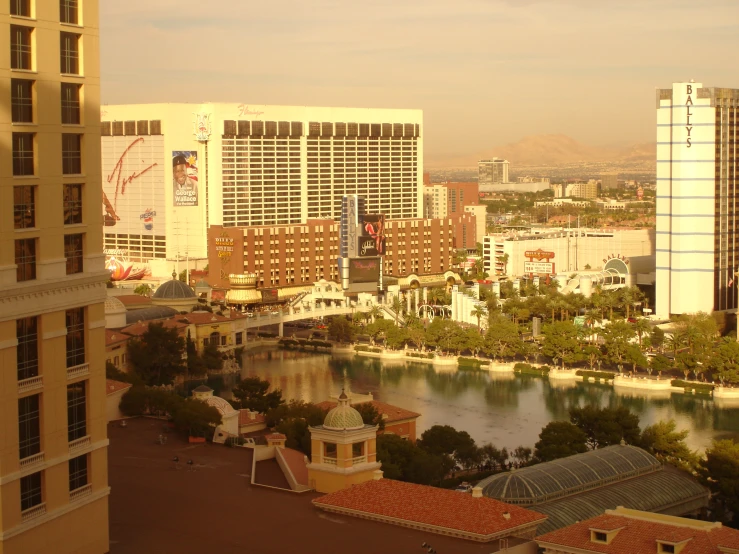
point(364, 270)
point(185, 177)
point(372, 239)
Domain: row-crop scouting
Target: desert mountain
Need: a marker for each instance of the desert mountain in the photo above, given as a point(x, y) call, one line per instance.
point(550, 150)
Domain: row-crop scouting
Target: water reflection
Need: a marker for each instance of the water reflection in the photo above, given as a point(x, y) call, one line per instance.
point(501, 408)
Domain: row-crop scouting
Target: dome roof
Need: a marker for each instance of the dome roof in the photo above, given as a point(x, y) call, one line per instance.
point(174, 290)
point(220, 404)
point(202, 284)
point(114, 306)
point(343, 416)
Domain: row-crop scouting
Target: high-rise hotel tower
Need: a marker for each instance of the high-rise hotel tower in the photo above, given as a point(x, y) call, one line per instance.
point(697, 195)
point(53, 446)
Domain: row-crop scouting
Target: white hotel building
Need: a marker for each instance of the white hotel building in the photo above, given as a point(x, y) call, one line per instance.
point(697, 234)
point(248, 165)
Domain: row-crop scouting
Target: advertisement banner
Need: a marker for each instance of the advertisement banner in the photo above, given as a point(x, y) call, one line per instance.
point(270, 296)
point(185, 177)
point(538, 267)
point(371, 242)
point(133, 184)
point(351, 226)
point(364, 270)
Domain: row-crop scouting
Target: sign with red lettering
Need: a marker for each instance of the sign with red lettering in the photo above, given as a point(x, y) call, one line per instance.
point(539, 254)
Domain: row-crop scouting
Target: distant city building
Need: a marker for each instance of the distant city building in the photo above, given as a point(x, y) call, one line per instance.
point(443, 199)
point(697, 168)
point(587, 190)
point(172, 170)
point(492, 172)
point(54, 468)
point(480, 213)
point(609, 181)
point(528, 179)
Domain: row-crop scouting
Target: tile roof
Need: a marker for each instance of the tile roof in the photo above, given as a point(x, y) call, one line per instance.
point(115, 337)
point(296, 461)
point(134, 300)
point(139, 328)
point(246, 419)
point(393, 413)
point(640, 532)
point(275, 436)
point(432, 508)
point(112, 387)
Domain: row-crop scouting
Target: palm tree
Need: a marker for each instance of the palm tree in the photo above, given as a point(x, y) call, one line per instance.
point(374, 312)
point(397, 307)
point(478, 311)
point(642, 328)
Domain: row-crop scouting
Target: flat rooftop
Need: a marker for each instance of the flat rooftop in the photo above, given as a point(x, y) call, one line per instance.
point(159, 506)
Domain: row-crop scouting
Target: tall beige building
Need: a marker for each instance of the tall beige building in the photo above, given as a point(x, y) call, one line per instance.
point(53, 446)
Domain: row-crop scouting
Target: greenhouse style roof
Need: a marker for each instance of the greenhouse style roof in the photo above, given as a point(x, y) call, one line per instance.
point(574, 474)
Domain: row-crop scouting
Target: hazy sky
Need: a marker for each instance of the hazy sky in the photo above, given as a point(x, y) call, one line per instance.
point(484, 72)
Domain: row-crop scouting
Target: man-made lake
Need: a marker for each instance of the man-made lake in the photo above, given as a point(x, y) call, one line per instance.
point(506, 410)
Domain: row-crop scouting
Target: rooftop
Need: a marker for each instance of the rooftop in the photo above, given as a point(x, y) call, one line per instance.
point(639, 532)
point(436, 510)
point(250, 418)
point(173, 289)
point(149, 313)
point(115, 337)
point(544, 482)
point(112, 386)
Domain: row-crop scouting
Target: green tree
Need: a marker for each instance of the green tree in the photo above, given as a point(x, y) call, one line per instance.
point(560, 439)
point(196, 418)
point(659, 363)
point(719, 471)
point(522, 455)
point(606, 426)
point(473, 341)
point(478, 311)
point(725, 362)
point(157, 355)
point(395, 337)
point(617, 338)
point(369, 414)
point(341, 329)
point(251, 394)
point(561, 342)
point(668, 445)
point(112, 372)
point(443, 440)
point(502, 339)
point(293, 420)
point(444, 334)
point(405, 461)
point(212, 357)
point(379, 328)
point(397, 306)
point(417, 335)
point(142, 290)
point(657, 338)
point(195, 363)
point(635, 357)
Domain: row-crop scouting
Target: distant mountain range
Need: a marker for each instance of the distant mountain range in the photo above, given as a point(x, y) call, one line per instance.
point(552, 150)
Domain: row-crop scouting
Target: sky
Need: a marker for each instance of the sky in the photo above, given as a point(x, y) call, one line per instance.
point(484, 72)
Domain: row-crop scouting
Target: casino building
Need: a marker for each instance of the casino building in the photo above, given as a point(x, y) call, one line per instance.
point(171, 171)
point(697, 234)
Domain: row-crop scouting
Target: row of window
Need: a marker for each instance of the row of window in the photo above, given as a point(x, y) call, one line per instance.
point(32, 489)
point(27, 350)
point(22, 92)
point(26, 256)
point(21, 50)
point(68, 10)
point(24, 205)
point(24, 154)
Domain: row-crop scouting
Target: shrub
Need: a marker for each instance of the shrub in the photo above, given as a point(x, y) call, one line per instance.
point(585, 374)
point(362, 348)
point(422, 355)
point(462, 360)
point(704, 388)
point(521, 367)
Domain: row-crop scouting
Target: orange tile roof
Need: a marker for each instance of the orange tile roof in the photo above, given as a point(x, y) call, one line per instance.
point(140, 327)
point(245, 418)
point(641, 535)
point(115, 337)
point(275, 436)
point(134, 300)
point(393, 413)
point(296, 462)
point(475, 518)
point(112, 387)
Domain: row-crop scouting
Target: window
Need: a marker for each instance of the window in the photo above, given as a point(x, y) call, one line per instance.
point(30, 491)
point(77, 472)
point(73, 251)
point(76, 411)
point(20, 47)
point(665, 548)
point(70, 103)
point(69, 50)
point(329, 449)
point(29, 426)
point(25, 259)
point(239, 338)
point(75, 337)
point(22, 153)
point(20, 7)
point(68, 12)
point(72, 204)
point(71, 154)
point(21, 99)
point(599, 536)
point(24, 207)
point(357, 449)
point(26, 332)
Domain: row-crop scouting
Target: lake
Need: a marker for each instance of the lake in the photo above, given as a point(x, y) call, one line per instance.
point(506, 410)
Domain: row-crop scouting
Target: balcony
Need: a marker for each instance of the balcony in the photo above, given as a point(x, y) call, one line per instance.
point(32, 383)
point(31, 461)
point(80, 493)
point(31, 513)
point(79, 444)
point(329, 461)
point(359, 460)
point(78, 371)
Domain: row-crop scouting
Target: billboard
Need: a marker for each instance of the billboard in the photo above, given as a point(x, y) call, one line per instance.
point(185, 177)
point(133, 184)
point(365, 270)
point(270, 295)
point(371, 241)
point(538, 267)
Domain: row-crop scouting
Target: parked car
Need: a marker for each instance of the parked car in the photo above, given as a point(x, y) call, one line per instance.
point(463, 487)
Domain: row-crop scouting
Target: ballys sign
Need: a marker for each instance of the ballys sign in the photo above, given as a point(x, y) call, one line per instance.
point(621, 257)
